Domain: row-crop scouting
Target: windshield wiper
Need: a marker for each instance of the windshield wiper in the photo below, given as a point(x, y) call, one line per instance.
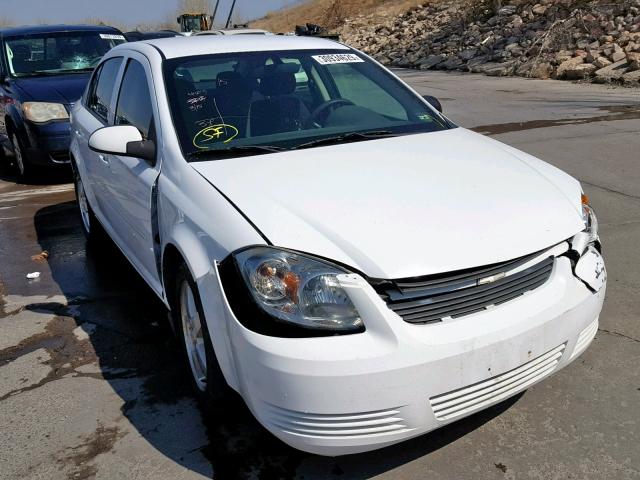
point(249, 149)
point(35, 74)
point(347, 137)
point(52, 73)
point(76, 70)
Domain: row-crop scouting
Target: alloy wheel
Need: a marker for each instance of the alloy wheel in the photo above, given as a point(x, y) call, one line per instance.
point(83, 204)
point(193, 335)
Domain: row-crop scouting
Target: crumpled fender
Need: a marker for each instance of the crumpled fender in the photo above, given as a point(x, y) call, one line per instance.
point(204, 272)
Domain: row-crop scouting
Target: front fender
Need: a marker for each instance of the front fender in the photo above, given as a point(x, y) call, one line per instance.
point(205, 273)
point(13, 117)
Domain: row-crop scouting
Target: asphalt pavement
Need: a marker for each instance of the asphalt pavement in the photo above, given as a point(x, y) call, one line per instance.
point(92, 385)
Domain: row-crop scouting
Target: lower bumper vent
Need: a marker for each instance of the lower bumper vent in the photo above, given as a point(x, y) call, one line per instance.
point(475, 397)
point(365, 424)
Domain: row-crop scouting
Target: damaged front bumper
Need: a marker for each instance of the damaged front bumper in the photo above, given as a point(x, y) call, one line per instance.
point(353, 393)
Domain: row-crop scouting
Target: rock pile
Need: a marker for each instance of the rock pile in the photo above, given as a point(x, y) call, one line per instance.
point(597, 40)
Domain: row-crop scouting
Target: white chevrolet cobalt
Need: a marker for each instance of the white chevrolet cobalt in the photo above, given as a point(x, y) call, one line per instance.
point(357, 267)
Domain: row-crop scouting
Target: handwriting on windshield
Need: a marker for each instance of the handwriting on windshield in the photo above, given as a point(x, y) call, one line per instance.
point(196, 99)
point(220, 133)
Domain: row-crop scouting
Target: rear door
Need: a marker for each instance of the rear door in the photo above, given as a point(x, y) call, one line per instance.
point(97, 112)
point(132, 180)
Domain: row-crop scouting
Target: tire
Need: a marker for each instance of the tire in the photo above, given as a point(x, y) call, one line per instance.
point(210, 387)
point(4, 160)
point(91, 228)
point(23, 167)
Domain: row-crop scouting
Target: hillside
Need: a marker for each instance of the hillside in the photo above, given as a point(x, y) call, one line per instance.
point(596, 40)
point(330, 13)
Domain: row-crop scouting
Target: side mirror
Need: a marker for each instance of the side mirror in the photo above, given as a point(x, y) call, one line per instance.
point(124, 140)
point(434, 102)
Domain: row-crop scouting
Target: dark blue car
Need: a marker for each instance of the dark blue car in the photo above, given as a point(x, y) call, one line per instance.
point(43, 71)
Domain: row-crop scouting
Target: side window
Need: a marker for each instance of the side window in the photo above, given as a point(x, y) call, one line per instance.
point(101, 89)
point(134, 103)
point(91, 91)
point(364, 92)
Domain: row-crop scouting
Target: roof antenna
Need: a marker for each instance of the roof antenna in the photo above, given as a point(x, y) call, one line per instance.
point(230, 13)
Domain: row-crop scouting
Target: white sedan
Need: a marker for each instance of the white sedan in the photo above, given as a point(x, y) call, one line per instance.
point(357, 267)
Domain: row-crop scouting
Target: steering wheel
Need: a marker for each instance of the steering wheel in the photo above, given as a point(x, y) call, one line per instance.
point(322, 108)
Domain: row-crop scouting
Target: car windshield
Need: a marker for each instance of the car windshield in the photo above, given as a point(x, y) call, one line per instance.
point(256, 102)
point(57, 53)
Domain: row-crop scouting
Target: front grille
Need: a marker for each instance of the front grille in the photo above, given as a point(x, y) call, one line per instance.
point(430, 299)
point(474, 397)
point(338, 425)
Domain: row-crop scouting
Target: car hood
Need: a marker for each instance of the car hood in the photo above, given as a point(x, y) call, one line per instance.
point(406, 206)
point(65, 89)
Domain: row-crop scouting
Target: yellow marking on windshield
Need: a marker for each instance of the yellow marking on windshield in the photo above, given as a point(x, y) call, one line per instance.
point(222, 132)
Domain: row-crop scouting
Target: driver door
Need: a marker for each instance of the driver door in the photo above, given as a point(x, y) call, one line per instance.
point(132, 180)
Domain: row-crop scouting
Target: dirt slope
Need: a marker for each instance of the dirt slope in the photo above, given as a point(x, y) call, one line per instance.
point(330, 13)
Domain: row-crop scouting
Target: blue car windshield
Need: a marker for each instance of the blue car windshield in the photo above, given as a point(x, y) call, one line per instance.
point(252, 102)
point(57, 53)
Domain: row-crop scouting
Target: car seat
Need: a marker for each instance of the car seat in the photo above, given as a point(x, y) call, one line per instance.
point(232, 100)
point(280, 110)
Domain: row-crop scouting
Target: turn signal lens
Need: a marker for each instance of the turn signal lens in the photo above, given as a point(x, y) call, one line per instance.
point(585, 199)
point(590, 219)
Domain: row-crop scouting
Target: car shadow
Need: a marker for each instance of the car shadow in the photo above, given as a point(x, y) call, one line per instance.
point(133, 349)
point(46, 176)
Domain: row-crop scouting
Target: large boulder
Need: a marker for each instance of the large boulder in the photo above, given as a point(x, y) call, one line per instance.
point(631, 78)
point(568, 65)
point(601, 62)
point(494, 69)
point(475, 64)
point(633, 59)
point(611, 73)
point(579, 72)
point(543, 70)
point(451, 63)
point(617, 54)
point(468, 54)
point(430, 61)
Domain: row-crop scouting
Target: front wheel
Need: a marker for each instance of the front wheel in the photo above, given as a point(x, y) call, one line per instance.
point(91, 228)
point(209, 384)
point(23, 168)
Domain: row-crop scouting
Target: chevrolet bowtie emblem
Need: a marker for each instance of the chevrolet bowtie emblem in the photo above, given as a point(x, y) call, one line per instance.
point(492, 278)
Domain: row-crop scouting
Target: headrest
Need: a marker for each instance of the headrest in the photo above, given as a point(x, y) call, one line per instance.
point(184, 75)
point(230, 80)
point(277, 83)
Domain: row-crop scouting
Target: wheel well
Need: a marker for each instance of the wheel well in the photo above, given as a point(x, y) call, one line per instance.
point(171, 261)
point(8, 125)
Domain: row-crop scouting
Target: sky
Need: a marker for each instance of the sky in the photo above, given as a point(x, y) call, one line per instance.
point(128, 12)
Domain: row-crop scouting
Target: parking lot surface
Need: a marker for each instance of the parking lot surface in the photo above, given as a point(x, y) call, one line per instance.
point(92, 386)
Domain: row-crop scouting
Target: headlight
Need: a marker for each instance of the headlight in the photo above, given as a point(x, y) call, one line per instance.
point(590, 220)
point(297, 289)
point(41, 112)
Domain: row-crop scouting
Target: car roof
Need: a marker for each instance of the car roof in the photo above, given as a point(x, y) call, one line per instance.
point(240, 31)
point(211, 44)
point(35, 29)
